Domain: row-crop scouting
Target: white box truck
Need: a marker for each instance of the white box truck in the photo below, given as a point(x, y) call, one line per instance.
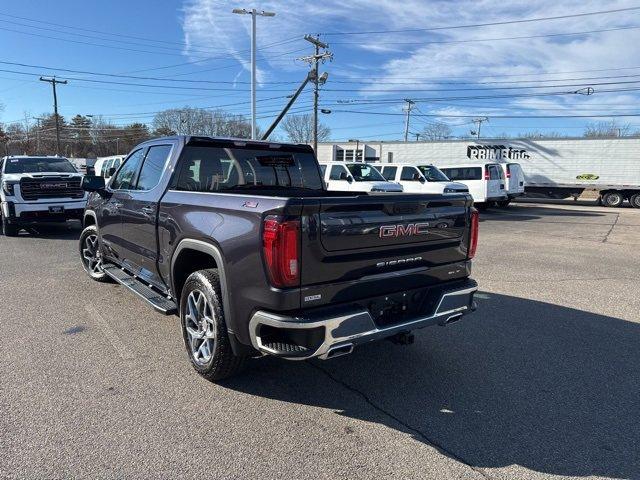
point(565, 168)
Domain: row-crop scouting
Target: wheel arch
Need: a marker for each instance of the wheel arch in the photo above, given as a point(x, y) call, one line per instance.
point(192, 255)
point(89, 218)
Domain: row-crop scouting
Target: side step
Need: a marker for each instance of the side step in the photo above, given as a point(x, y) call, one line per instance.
point(160, 303)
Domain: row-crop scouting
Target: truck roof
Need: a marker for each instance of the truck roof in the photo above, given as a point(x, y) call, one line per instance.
point(225, 141)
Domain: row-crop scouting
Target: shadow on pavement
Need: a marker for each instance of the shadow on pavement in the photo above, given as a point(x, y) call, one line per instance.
point(515, 212)
point(520, 382)
point(54, 231)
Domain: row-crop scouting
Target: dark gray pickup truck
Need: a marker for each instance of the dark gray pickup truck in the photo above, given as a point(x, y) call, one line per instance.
point(244, 242)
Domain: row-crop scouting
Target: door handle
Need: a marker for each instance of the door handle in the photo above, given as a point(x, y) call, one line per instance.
point(148, 210)
point(116, 205)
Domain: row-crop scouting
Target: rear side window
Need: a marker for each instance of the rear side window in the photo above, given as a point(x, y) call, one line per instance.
point(336, 172)
point(494, 172)
point(126, 177)
point(389, 173)
point(214, 169)
point(463, 173)
point(409, 174)
point(152, 167)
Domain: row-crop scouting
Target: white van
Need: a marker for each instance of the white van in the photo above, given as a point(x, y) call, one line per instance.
point(515, 182)
point(486, 181)
point(106, 166)
point(356, 177)
point(422, 179)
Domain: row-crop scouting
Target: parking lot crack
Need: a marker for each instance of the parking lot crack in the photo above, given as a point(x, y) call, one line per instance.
point(417, 432)
point(613, 225)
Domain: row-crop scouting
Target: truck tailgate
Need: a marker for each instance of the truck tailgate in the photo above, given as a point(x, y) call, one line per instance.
point(349, 238)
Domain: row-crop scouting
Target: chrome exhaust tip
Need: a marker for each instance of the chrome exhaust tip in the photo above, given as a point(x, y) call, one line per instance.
point(453, 318)
point(337, 351)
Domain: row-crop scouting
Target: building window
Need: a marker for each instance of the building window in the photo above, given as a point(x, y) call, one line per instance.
point(390, 157)
point(339, 155)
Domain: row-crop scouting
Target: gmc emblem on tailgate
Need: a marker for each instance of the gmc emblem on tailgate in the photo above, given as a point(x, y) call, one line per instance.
point(408, 230)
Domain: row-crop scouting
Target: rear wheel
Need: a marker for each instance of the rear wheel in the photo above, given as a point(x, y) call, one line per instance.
point(90, 254)
point(635, 200)
point(503, 203)
point(204, 328)
point(612, 199)
point(10, 230)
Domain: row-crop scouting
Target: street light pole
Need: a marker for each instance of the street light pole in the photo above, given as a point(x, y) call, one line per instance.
point(253, 12)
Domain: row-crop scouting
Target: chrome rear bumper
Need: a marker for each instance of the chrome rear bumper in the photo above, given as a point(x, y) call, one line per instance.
point(335, 333)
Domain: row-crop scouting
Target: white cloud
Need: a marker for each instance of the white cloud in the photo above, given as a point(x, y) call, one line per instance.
point(380, 57)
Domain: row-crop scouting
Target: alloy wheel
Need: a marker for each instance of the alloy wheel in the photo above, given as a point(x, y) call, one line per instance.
point(91, 255)
point(201, 327)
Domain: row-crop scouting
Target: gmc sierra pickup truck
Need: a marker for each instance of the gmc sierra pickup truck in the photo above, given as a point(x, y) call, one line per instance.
point(244, 242)
point(37, 189)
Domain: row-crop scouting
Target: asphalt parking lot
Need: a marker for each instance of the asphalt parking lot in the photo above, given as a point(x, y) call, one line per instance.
point(542, 381)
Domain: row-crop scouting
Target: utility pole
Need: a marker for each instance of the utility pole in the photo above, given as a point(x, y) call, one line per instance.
point(479, 121)
point(38, 119)
point(254, 13)
point(407, 109)
point(317, 80)
point(53, 81)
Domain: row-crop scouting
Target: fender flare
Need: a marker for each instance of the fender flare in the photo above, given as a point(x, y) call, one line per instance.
point(214, 251)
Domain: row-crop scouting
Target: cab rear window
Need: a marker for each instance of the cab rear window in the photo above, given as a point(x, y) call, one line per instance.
point(215, 169)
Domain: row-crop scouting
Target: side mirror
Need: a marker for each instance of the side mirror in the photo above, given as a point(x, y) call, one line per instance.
point(93, 183)
point(111, 172)
point(350, 179)
point(422, 180)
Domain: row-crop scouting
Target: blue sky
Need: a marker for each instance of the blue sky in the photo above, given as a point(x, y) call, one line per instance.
point(200, 51)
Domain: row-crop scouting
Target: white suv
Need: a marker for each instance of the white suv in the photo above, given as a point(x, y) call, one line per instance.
point(419, 179)
point(36, 189)
point(356, 177)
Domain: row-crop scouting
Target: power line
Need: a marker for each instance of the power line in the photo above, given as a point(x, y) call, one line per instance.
point(488, 24)
point(497, 39)
point(444, 115)
point(133, 77)
point(384, 90)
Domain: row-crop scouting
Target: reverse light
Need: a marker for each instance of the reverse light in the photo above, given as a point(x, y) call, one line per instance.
point(473, 237)
point(280, 246)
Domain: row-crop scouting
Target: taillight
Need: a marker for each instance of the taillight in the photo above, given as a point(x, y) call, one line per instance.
point(486, 172)
point(473, 237)
point(280, 245)
point(508, 171)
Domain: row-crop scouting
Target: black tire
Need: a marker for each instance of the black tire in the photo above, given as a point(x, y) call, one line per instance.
point(90, 254)
point(503, 203)
point(482, 206)
point(612, 199)
point(221, 362)
point(635, 200)
point(10, 230)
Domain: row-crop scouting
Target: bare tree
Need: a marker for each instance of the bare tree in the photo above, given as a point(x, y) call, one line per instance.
point(537, 134)
point(198, 121)
point(299, 129)
point(436, 131)
point(607, 129)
